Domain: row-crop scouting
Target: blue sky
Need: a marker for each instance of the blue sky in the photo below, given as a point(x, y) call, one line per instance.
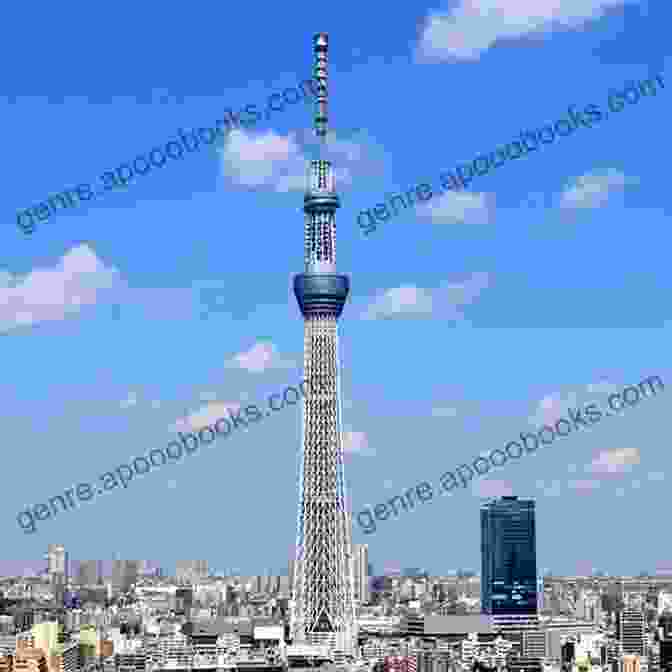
point(540, 286)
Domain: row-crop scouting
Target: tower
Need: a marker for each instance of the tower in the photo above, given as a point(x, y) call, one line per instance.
point(322, 591)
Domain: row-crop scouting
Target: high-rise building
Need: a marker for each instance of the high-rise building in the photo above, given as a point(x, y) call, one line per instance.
point(56, 559)
point(360, 558)
point(88, 572)
point(323, 604)
point(509, 561)
point(630, 631)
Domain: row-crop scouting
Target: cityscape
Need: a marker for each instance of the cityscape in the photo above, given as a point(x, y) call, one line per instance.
point(522, 485)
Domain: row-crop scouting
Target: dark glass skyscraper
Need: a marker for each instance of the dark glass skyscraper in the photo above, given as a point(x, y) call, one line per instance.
point(508, 557)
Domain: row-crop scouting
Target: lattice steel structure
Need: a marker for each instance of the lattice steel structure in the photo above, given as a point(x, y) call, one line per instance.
point(322, 604)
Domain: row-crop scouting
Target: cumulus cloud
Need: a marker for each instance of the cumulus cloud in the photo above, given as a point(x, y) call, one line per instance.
point(492, 488)
point(260, 357)
point(205, 415)
point(409, 301)
point(614, 461)
point(444, 412)
point(593, 190)
point(277, 162)
point(131, 400)
point(553, 489)
point(551, 408)
point(460, 207)
point(584, 485)
point(404, 301)
point(357, 443)
point(50, 294)
point(601, 387)
point(471, 27)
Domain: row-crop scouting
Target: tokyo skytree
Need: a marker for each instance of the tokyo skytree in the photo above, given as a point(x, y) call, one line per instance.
point(322, 595)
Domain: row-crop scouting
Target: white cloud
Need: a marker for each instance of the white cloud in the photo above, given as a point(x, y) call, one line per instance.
point(131, 400)
point(279, 162)
point(460, 207)
point(444, 412)
point(444, 302)
point(593, 190)
point(601, 387)
point(206, 415)
point(492, 488)
point(260, 357)
point(553, 490)
point(551, 408)
point(473, 26)
point(48, 294)
point(263, 160)
point(614, 461)
point(584, 485)
point(357, 443)
point(404, 301)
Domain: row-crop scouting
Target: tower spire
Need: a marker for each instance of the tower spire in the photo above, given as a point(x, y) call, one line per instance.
point(321, 47)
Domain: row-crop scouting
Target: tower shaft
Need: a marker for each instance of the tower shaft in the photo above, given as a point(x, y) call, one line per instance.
point(322, 604)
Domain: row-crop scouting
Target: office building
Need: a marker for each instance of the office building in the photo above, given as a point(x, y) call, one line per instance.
point(88, 572)
point(630, 631)
point(323, 601)
point(509, 562)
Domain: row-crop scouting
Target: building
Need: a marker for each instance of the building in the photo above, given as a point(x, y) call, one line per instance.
point(323, 602)
point(666, 655)
point(124, 574)
point(400, 664)
point(360, 557)
point(509, 562)
point(30, 660)
point(534, 643)
point(630, 631)
point(88, 573)
point(65, 658)
point(184, 601)
point(630, 663)
point(191, 571)
point(56, 559)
